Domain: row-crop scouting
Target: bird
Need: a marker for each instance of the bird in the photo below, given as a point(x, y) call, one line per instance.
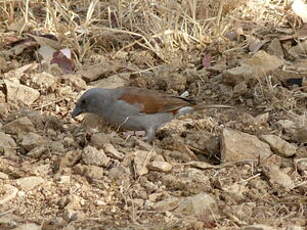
point(136, 109)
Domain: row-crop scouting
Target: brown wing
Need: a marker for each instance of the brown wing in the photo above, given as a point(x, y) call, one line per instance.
point(150, 101)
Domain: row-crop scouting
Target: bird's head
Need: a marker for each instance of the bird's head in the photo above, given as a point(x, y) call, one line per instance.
point(92, 101)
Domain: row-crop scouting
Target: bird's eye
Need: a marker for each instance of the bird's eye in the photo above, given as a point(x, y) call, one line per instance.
point(83, 102)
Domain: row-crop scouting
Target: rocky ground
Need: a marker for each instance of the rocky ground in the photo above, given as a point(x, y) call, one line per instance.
point(243, 167)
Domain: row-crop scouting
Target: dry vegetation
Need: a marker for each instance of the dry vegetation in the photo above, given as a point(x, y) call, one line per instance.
point(177, 47)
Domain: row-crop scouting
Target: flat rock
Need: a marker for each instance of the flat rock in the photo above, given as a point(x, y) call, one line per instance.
point(238, 146)
point(31, 141)
point(17, 92)
point(279, 145)
point(92, 156)
point(18, 126)
point(161, 166)
point(256, 67)
point(29, 183)
point(202, 206)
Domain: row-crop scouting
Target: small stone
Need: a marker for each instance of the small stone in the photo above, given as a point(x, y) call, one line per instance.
point(100, 203)
point(240, 89)
point(70, 159)
point(42, 170)
point(301, 134)
point(237, 192)
point(138, 202)
point(258, 227)
point(111, 151)
point(114, 81)
point(68, 141)
point(70, 215)
point(203, 206)
point(301, 152)
point(29, 183)
point(7, 193)
point(94, 172)
point(166, 205)
point(28, 227)
point(43, 80)
point(95, 71)
point(38, 151)
point(277, 176)
point(298, 50)
point(141, 160)
point(3, 176)
point(92, 156)
point(64, 180)
point(295, 228)
point(155, 196)
point(275, 48)
point(31, 141)
point(261, 119)
point(161, 166)
point(302, 166)
point(91, 171)
point(18, 126)
point(117, 172)
point(7, 143)
point(279, 145)
point(21, 194)
point(286, 124)
point(17, 92)
point(75, 80)
point(3, 110)
point(56, 146)
point(99, 140)
point(69, 227)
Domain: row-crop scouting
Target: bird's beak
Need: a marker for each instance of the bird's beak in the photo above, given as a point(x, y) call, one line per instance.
point(77, 111)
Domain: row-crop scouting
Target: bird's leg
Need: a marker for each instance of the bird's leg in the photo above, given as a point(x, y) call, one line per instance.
point(150, 134)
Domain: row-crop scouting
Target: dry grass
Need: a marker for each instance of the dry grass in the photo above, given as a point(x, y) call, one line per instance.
point(162, 27)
